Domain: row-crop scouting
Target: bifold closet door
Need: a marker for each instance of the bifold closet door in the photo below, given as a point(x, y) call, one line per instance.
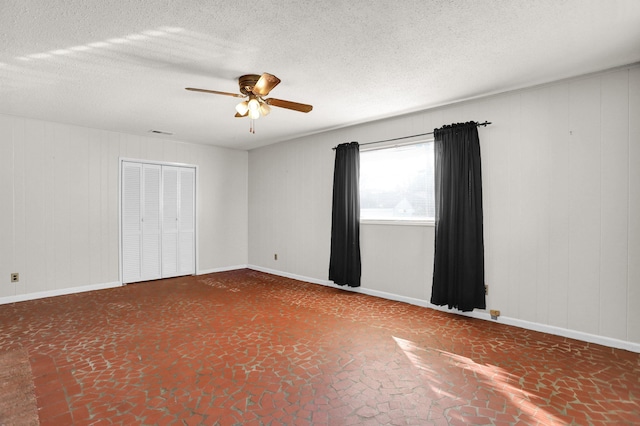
point(131, 213)
point(187, 222)
point(140, 222)
point(158, 221)
point(178, 221)
point(169, 221)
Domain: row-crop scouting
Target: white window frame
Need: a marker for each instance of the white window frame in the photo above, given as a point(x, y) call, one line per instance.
point(396, 222)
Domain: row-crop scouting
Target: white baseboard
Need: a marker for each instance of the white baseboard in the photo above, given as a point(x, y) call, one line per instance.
point(293, 276)
point(572, 334)
point(59, 292)
point(543, 328)
point(223, 269)
point(81, 289)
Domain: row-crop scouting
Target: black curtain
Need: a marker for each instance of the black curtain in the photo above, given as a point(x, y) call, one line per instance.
point(458, 266)
point(344, 264)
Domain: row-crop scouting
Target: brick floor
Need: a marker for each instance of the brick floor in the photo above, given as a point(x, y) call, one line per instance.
point(244, 347)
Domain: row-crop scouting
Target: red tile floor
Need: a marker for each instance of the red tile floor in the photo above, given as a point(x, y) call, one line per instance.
point(244, 347)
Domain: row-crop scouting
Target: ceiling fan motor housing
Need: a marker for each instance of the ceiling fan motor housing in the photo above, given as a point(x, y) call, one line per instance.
point(247, 82)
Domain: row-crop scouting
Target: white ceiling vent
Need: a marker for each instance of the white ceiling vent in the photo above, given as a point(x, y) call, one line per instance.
point(160, 132)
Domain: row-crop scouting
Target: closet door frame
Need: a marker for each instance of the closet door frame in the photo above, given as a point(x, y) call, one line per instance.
point(122, 160)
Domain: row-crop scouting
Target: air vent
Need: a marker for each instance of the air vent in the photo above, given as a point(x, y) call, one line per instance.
point(160, 132)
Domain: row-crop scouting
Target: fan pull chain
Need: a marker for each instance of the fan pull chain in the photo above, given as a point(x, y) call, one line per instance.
point(252, 127)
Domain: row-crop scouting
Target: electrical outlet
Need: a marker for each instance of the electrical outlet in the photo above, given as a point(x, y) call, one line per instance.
point(486, 290)
point(275, 256)
point(15, 277)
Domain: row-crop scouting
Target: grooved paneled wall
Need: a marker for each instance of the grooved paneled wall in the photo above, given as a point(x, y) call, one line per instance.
point(561, 175)
point(59, 203)
point(561, 195)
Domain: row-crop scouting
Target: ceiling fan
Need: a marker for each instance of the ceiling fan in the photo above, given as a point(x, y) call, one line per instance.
point(254, 88)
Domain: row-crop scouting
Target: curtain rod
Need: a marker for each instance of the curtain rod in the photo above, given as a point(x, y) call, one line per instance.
point(486, 123)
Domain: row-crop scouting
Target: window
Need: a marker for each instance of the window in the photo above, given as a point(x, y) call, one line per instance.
point(396, 184)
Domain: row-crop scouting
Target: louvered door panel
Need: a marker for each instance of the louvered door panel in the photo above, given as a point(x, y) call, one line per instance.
point(151, 222)
point(131, 221)
point(170, 221)
point(186, 223)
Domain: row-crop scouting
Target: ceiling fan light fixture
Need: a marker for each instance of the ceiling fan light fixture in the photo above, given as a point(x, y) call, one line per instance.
point(254, 105)
point(254, 114)
point(242, 107)
point(265, 109)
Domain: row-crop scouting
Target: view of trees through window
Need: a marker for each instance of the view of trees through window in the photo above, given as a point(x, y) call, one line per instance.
point(397, 183)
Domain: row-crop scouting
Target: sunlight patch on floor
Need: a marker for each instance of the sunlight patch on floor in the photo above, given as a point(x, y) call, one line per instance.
point(499, 379)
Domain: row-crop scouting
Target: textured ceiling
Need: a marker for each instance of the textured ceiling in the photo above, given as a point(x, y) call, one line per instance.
point(123, 65)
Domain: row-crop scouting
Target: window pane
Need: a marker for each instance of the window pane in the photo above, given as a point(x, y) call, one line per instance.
point(397, 183)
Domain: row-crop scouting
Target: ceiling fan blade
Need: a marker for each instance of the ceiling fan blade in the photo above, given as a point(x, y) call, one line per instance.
point(238, 115)
point(265, 84)
point(289, 105)
point(215, 92)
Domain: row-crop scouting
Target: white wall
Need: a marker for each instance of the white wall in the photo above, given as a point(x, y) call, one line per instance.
point(59, 204)
point(561, 175)
point(561, 198)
